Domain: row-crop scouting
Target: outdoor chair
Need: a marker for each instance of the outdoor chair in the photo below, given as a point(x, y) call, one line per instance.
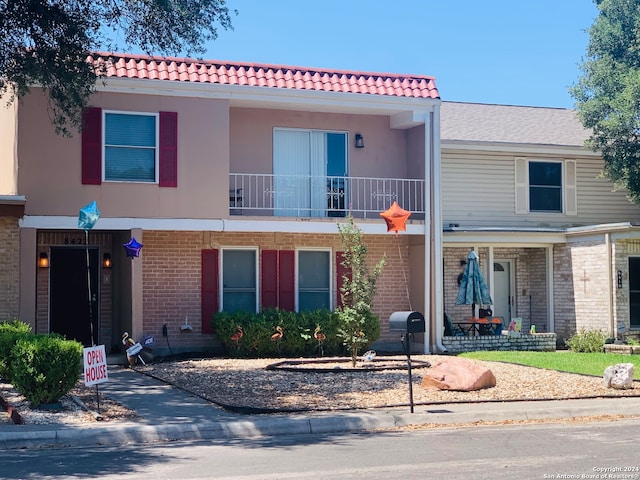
point(451, 329)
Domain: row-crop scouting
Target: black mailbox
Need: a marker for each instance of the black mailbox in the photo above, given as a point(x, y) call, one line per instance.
point(407, 322)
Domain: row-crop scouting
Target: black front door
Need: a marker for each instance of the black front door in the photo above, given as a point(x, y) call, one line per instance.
point(634, 291)
point(70, 313)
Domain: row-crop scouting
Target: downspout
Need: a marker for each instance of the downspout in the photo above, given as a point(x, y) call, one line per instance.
point(610, 299)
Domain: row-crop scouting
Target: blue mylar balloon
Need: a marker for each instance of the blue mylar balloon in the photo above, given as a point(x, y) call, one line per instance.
point(132, 247)
point(89, 215)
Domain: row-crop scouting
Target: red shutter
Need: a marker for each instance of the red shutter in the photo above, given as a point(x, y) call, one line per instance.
point(341, 272)
point(269, 274)
point(209, 288)
point(92, 146)
point(168, 149)
point(286, 280)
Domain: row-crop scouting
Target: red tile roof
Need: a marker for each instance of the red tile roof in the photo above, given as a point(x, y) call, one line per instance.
point(262, 75)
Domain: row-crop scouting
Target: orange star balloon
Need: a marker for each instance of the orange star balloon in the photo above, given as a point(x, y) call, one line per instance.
point(396, 218)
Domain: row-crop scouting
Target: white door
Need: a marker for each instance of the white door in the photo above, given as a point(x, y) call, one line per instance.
point(503, 291)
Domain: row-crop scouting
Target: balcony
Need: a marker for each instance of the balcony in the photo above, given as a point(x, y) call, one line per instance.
point(322, 197)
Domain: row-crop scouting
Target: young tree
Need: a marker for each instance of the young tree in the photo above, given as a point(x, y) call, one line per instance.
point(608, 92)
point(46, 43)
point(358, 290)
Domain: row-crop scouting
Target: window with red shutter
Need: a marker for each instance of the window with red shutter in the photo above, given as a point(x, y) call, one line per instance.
point(168, 162)
point(278, 279)
point(92, 146)
point(209, 289)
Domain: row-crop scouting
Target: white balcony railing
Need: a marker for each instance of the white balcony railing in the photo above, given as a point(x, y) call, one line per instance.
point(306, 196)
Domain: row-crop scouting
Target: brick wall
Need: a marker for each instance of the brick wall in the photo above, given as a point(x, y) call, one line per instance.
point(171, 277)
point(9, 268)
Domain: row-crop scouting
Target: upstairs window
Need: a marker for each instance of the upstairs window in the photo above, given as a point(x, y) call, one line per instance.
point(130, 147)
point(545, 186)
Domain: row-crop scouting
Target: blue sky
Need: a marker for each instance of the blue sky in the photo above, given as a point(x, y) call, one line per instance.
point(511, 52)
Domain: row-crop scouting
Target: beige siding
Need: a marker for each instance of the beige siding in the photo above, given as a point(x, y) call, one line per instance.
point(478, 190)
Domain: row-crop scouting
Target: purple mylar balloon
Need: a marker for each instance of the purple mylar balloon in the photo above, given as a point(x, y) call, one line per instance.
point(132, 247)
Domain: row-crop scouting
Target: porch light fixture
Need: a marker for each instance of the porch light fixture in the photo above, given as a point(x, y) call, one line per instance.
point(106, 260)
point(359, 141)
point(43, 260)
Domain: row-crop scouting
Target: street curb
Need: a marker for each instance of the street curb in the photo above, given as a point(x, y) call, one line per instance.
point(265, 426)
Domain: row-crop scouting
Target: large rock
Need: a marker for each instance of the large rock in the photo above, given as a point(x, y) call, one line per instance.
point(459, 374)
point(619, 376)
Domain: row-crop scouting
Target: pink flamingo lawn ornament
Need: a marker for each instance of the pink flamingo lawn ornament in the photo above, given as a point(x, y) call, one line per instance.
point(235, 338)
point(320, 337)
point(276, 337)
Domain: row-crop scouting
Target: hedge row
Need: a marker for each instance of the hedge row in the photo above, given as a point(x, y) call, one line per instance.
point(297, 329)
point(42, 368)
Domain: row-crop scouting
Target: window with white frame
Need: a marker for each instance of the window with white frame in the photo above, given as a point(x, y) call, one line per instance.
point(130, 147)
point(314, 279)
point(239, 280)
point(545, 186)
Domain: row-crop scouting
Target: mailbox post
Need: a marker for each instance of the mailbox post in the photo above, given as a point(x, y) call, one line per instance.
point(407, 323)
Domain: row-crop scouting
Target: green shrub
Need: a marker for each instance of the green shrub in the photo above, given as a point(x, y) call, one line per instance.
point(10, 333)
point(587, 341)
point(45, 367)
point(297, 339)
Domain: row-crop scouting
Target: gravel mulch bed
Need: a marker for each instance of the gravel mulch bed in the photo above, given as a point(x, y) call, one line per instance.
point(248, 384)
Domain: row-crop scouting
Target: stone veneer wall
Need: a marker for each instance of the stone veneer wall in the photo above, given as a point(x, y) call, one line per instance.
point(540, 342)
point(9, 268)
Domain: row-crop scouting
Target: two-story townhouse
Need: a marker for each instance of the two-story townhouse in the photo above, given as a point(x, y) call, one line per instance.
point(558, 245)
point(233, 177)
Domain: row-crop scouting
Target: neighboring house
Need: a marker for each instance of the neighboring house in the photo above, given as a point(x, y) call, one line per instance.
point(233, 176)
point(520, 188)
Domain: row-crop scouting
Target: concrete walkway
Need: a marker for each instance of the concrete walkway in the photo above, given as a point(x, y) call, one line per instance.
point(168, 413)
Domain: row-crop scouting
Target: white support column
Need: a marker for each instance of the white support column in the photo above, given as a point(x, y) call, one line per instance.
point(490, 275)
point(137, 328)
point(437, 287)
point(428, 221)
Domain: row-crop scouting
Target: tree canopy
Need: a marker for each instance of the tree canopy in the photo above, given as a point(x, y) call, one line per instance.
point(607, 93)
point(46, 43)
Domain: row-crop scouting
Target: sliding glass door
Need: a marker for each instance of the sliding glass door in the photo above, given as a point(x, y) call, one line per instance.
point(304, 162)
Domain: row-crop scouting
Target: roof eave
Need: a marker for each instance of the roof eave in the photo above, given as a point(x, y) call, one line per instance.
point(246, 96)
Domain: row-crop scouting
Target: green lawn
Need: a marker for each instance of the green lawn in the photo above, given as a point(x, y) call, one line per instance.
point(585, 363)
